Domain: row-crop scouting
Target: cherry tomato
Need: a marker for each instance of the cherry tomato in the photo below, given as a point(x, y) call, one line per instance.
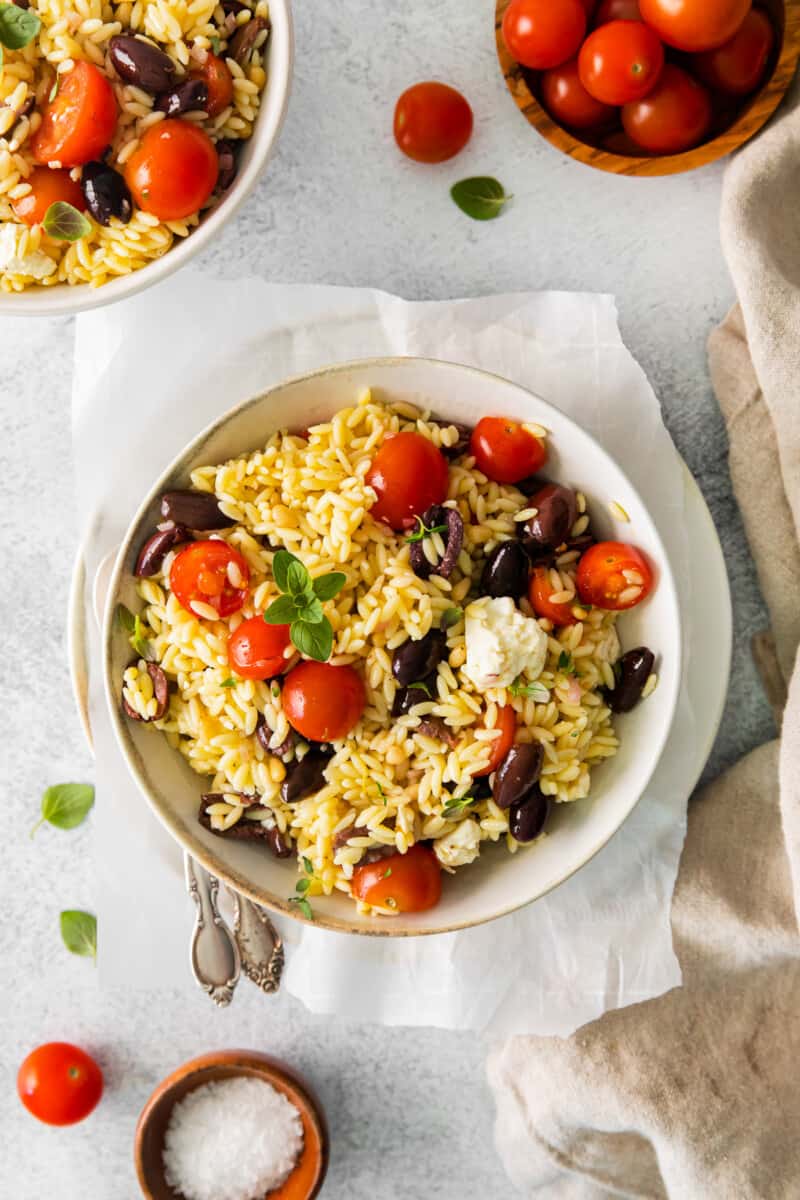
point(323, 703)
point(673, 117)
point(540, 589)
point(617, 10)
point(543, 33)
point(173, 171)
point(567, 100)
point(48, 186)
point(59, 1083)
point(212, 573)
point(507, 724)
point(409, 475)
point(620, 62)
point(217, 77)
point(589, 7)
point(432, 122)
point(737, 67)
point(615, 576)
point(505, 451)
point(408, 882)
point(255, 650)
point(694, 24)
point(79, 123)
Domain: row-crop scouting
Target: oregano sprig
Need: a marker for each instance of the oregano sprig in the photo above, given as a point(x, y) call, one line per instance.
point(300, 605)
point(300, 899)
point(422, 531)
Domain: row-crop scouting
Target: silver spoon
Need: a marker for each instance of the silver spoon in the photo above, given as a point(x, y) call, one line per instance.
point(214, 954)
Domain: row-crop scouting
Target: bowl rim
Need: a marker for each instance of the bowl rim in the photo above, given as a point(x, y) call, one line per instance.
point(187, 840)
point(71, 299)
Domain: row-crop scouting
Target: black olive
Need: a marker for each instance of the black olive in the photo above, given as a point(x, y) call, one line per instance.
point(160, 691)
point(194, 510)
point(141, 63)
point(556, 513)
point(305, 776)
point(189, 96)
point(453, 538)
point(528, 817)
point(156, 548)
point(506, 571)
point(518, 773)
point(106, 193)
point(243, 42)
point(279, 843)
point(634, 669)
point(417, 660)
point(417, 693)
point(227, 164)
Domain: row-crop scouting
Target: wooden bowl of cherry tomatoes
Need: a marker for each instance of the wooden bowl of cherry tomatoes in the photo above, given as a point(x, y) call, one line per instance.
point(648, 87)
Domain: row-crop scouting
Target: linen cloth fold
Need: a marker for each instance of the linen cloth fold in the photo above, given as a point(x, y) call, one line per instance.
point(696, 1094)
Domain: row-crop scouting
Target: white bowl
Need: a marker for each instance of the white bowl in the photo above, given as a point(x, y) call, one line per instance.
point(66, 299)
point(499, 882)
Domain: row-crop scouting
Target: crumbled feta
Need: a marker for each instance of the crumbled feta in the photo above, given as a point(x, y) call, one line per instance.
point(460, 847)
point(502, 643)
point(35, 266)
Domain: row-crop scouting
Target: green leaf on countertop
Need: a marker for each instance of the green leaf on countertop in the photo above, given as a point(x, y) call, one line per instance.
point(79, 932)
point(64, 222)
point(18, 26)
point(482, 197)
point(65, 805)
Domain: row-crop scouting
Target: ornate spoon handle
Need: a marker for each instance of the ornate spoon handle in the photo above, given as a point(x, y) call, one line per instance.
point(260, 945)
point(214, 953)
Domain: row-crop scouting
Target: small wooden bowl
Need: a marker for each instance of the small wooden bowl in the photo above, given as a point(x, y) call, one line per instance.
point(612, 151)
point(307, 1177)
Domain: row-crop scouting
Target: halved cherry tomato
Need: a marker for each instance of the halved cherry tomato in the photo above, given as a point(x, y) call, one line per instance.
point(323, 703)
point(173, 171)
point(255, 650)
point(408, 475)
point(614, 575)
point(59, 1083)
point(589, 7)
point(617, 10)
point(212, 573)
point(79, 123)
point(694, 24)
point(505, 450)
point(507, 724)
point(408, 882)
point(620, 62)
point(48, 186)
point(543, 33)
point(432, 122)
point(674, 116)
point(737, 67)
point(215, 74)
point(567, 100)
point(540, 589)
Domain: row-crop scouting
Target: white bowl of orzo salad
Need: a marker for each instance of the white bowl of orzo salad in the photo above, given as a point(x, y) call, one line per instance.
point(394, 647)
point(129, 133)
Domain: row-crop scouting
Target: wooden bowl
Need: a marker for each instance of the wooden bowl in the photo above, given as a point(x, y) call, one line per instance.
point(307, 1177)
point(611, 149)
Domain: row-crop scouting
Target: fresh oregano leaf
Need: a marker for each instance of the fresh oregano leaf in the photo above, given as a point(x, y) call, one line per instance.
point(228, 683)
point(280, 568)
point(482, 197)
point(328, 586)
point(311, 613)
point(18, 26)
point(303, 905)
point(63, 221)
point(281, 612)
point(65, 805)
point(297, 578)
point(314, 641)
point(79, 932)
point(450, 617)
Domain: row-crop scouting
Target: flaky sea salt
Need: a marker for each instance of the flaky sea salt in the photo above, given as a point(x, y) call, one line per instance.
point(235, 1139)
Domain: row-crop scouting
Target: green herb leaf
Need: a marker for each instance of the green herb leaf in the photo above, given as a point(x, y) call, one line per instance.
point(450, 617)
point(536, 691)
point(302, 886)
point(456, 806)
point(387, 872)
point(315, 641)
point(312, 613)
point(18, 26)
point(228, 683)
point(127, 621)
point(63, 221)
point(65, 805)
point(79, 932)
point(328, 586)
point(297, 578)
point(280, 568)
point(282, 611)
point(422, 531)
point(381, 792)
point(54, 89)
point(420, 687)
point(565, 661)
point(215, 45)
point(303, 905)
point(482, 197)
point(308, 866)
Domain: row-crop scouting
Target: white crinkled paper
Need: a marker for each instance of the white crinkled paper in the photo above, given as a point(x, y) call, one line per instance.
point(153, 371)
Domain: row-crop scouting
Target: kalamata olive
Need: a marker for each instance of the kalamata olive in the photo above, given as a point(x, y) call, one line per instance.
point(417, 660)
point(416, 693)
point(305, 776)
point(279, 843)
point(248, 38)
point(556, 512)
point(141, 63)
point(438, 729)
point(518, 773)
point(460, 446)
point(233, 6)
point(194, 510)
point(506, 571)
point(286, 751)
point(635, 669)
point(453, 538)
point(156, 548)
point(160, 691)
point(189, 96)
point(106, 193)
point(527, 818)
point(227, 164)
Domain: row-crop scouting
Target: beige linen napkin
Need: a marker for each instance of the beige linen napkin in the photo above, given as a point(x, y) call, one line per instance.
point(696, 1094)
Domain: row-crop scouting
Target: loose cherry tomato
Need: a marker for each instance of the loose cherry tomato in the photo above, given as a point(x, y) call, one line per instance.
point(255, 650)
point(675, 116)
point(615, 576)
point(48, 186)
point(617, 10)
point(737, 67)
point(540, 589)
point(59, 1083)
point(507, 724)
point(408, 882)
point(79, 123)
point(567, 100)
point(694, 24)
point(620, 62)
point(217, 77)
point(505, 451)
point(408, 475)
point(432, 122)
point(173, 171)
point(323, 703)
point(543, 33)
point(212, 573)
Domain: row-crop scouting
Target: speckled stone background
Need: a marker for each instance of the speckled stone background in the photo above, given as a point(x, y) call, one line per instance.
point(410, 1112)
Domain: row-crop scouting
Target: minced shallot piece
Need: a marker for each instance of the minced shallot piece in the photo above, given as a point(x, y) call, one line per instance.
point(234, 1139)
